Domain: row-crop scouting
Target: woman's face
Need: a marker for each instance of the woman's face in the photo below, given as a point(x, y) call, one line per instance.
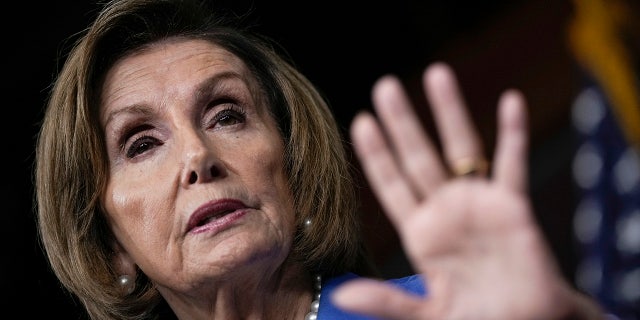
point(197, 190)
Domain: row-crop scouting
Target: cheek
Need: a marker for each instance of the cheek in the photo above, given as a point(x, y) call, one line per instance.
point(270, 178)
point(279, 203)
point(133, 212)
point(280, 188)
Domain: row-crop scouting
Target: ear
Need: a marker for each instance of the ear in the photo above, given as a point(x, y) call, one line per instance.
point(125, 267)
point(122, 261)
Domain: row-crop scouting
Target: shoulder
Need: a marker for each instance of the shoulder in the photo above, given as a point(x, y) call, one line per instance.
point(413, 283)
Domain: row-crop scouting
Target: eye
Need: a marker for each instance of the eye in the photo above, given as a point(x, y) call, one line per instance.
point(230, 115)
point(141, 145)
point(139, 140)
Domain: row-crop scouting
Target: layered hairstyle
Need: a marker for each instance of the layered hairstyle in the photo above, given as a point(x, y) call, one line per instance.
point(72, 167)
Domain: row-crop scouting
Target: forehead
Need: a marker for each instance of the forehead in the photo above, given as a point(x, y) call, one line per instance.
point(177, 48)
point(173, 64)
point(163, 55)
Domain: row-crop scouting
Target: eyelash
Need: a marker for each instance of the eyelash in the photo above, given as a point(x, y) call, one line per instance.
point(231, 112)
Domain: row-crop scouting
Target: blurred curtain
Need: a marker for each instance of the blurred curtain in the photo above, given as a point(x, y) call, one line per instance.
point(603, 38)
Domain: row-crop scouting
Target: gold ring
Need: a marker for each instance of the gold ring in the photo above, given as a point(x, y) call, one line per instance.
point(470, 166)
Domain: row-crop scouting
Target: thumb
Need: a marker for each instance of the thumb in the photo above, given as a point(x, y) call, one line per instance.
point(377, 298)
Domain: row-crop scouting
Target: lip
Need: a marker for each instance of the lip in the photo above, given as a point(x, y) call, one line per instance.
point(215, 215)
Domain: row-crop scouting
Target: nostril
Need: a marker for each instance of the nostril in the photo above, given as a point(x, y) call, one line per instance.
point(193, 177)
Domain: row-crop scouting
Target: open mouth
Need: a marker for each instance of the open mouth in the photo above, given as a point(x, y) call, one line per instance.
point(213, 211)
point(212, 217)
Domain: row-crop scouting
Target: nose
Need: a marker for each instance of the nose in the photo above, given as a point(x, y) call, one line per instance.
point(201, 164)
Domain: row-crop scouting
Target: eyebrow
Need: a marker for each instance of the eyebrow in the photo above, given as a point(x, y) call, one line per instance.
point(132, 109)
point(205, 88)
point(202, 93)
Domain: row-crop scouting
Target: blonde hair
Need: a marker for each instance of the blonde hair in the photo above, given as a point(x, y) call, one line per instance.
point(72, 167)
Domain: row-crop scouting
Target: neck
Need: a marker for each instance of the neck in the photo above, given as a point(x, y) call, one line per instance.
point(282, 296)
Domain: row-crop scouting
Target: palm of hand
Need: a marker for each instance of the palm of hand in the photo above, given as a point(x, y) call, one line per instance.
point(483, 255)
point(473, 237)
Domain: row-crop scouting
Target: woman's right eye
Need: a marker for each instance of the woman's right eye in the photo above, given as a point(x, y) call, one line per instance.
point(141, 145)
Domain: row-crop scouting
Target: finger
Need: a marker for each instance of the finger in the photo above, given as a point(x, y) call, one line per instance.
point(379, 166)
point(457, 132)
point(377, 299)
point(510, 164)
point(414, 151)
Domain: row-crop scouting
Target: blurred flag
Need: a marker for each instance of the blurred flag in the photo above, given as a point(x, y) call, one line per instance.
point(606, 167)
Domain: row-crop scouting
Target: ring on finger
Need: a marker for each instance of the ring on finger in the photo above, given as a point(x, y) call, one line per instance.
point(470, 166)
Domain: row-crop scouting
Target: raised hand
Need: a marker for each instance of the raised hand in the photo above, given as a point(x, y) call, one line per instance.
point(471, 233)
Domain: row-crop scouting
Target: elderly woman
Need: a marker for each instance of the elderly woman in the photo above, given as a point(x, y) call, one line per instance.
point(186, 170)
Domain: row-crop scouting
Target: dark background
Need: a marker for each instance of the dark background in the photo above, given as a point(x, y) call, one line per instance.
point(343, 47)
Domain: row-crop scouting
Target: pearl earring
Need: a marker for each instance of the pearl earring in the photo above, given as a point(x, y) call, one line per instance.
point(307, 223)
point(126, 283)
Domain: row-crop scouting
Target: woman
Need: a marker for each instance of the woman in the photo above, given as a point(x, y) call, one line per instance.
point(186, 170)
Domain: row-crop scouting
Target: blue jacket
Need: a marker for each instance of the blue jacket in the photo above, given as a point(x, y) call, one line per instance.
point(328, 311)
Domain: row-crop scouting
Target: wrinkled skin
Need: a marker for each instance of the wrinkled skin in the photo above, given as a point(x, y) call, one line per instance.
point(186, 130)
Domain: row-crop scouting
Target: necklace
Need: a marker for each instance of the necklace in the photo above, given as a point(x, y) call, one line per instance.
point(315, 303)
